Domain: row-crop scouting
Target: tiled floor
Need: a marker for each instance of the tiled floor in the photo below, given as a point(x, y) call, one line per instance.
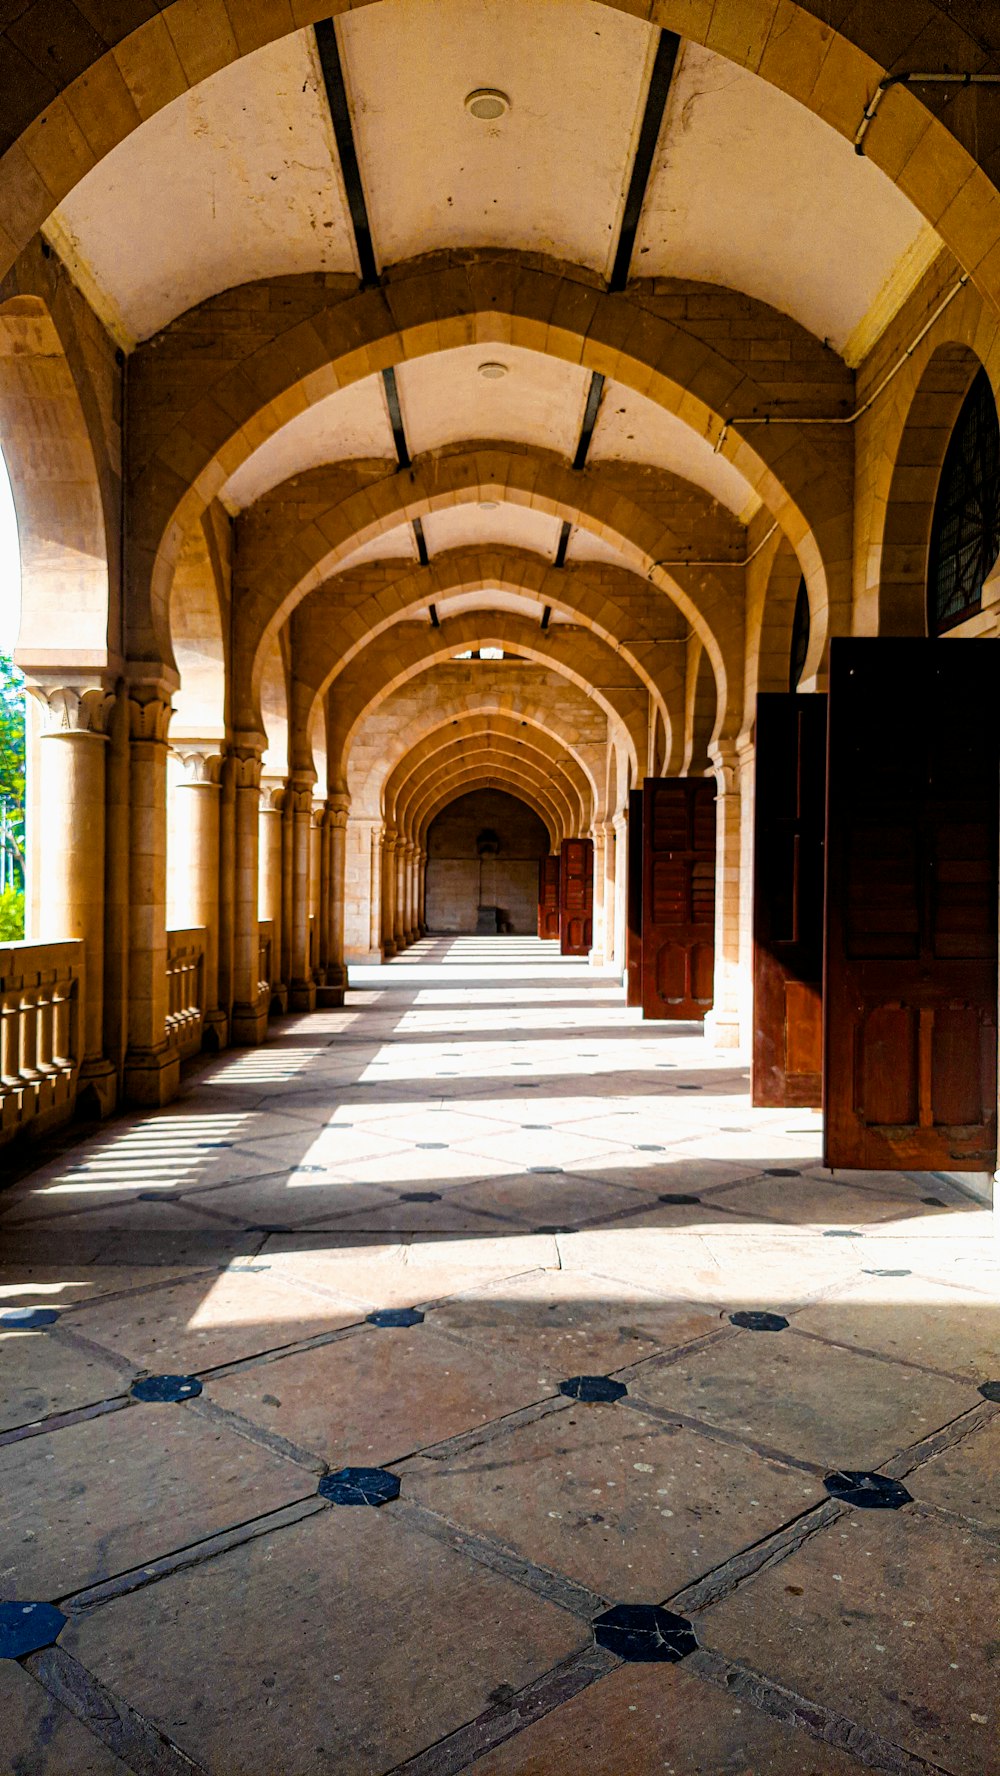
point(486, 1136)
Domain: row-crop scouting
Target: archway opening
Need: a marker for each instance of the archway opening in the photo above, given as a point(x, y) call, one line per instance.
point(483, 852)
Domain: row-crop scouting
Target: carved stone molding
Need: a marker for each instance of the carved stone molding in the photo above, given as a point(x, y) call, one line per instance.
point(149, 713)
point(337, 810)
point(246, 767)
point(73, 709)
point(272, 792)
point(202, 765)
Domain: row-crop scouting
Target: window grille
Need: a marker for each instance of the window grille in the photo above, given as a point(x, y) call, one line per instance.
point(965, 533)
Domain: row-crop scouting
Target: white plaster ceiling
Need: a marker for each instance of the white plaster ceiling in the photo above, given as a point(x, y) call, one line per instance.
point(490, 598)
point(752, 190)
point(586, 545)
point(445, 400)
point(350, 424)
point(398, 544)
point(632, 428)
point(519, 527)
point(549, 176)
point(237, 179)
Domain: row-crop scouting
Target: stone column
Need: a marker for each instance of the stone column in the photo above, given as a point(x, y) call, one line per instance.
point(422, 891)
point(198, 800)
point(375, 902)
point(227, 882)
point(152, 1064)
point(71, 857)
point(301, 986)
point(333, 899)
point(317, 841)
point(596, 956)
point(621, 890)
point(610, 873)
point(722, 1025)
point(269, 893)
point(411, 892)
point(249, 1019)
point(389, 894)
point(399, 903)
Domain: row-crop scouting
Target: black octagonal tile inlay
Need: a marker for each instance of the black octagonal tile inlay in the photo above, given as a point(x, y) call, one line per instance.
point(396, 1316)
point(842, 1233)
point(752, 1321)
point(26, 1627)
point(782, 1172)
point(268, 1227)
point(28, 1319)
point(677, 1196)
point(990, 1390)
point(644, 1633)
point(165, 1389)
point(420, 1196)
point(934, 1202)
point(870, 1492)
point(543, 1171)
point(649, 1147)
point(431, 1146)
point(887, 1273)
point(359, 1486)
point(591, 1388)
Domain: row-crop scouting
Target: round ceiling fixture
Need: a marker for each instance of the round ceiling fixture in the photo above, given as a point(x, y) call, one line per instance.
point(492, 370)
point(487, 103)
point(488, 505)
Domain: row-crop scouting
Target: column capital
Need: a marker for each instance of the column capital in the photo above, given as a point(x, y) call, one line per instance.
point(298, 795)
point(201, 761)
point(73, 706)
point(246, 762)
point(337, 809)
point(272, 791)
point(149, 707)
point(726, 764)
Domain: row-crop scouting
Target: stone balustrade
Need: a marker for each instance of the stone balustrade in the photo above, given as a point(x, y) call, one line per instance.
point(185, 989)
point(41, 989)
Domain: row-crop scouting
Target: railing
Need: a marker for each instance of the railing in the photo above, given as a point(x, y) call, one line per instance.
point(39, 1033)
point(265, 928)
point(185, 998)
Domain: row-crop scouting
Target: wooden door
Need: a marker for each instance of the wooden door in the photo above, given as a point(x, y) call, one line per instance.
point(678, 896)
point(548, 897)
point(789, 831)
point(910, 975)
point(633, 931)
point(576, 897)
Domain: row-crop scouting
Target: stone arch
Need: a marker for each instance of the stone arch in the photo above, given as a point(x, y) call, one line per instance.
point(200, 639)
point(542, 740)
point(66, 609)
point(571, 793)
point(276, 712)
point(529, 789)
point(391, 662)
point(493, 761)
point(772, 590)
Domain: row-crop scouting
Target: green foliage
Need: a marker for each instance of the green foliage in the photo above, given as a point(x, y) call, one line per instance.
point(12, 730)
point(11, 915)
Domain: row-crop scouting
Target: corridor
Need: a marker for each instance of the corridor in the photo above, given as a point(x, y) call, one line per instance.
point(583, 1329)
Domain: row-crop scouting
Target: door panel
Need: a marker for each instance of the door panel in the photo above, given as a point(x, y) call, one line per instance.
point(789, 821)
point(678, 897)
point(576, 897)
point(633, 938)
point(910, 980)
point(548, 897)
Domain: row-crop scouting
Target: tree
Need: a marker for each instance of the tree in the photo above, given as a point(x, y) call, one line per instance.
point(12, 732)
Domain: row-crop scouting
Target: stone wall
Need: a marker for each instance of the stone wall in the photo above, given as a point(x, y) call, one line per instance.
point(459, 881)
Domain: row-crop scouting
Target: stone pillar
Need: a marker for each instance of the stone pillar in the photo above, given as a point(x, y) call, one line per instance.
point(227, 882)
point(399, 902)
point(747, 759)
point(249, 1017)
point(621, 890)
point(317, 947)
point(198, 800)
point(335, 827)
point(389, 894)
point(610, 873)
point(70, 843)
point(422, 891)
point(596, 956)
point(375, 902)
point(411, 892)
point(301, 986)
point(152, 1064)
point(270, 883)
point(722, 1025)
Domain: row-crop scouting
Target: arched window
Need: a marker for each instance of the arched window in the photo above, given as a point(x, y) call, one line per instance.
point(965, 534)
point(800, 636)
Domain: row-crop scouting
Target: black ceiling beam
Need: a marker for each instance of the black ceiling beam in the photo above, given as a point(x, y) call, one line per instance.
point(664, 63)
point(422, 555)
point(594, 394)
point(546, 615)
point(563, 541)
point(396, 417)
point(340, 112)
point(435, 619)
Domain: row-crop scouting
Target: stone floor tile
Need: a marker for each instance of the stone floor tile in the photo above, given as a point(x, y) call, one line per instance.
point(288, 1200)
point(73, 1285)
point(548, 1199)
point(645, 1720)
point(39, 1737)
point(358, 1644)
point(43, 1374)
point(888, 1618)
point(568, 1323)
point(809, 1201)
point(378, 1395)
point(964, 1479)
point(833, 1407)
point(626, 1505)
point(196, 1325)
point(915, 1319)
point(114, 1492)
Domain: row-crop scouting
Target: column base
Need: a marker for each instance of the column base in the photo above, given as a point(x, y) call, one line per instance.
point(248, 1025)
point(214, 1031)
point(302, 996)
point(722, 1029)
point(152, 1076)
point(97, 1088)
point(327, 997)
point(388, 949)
point(278, 1004)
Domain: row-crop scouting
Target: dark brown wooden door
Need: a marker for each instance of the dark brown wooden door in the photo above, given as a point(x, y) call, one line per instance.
point(548, 897)
point(678, 896)
point(633, 930)
point(910, 975)
point(789, 830)
point(576, 897)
